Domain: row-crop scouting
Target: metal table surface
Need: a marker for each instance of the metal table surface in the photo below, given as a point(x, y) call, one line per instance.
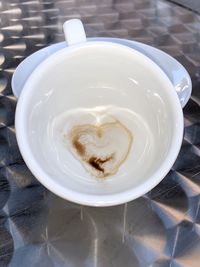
point(37, 228)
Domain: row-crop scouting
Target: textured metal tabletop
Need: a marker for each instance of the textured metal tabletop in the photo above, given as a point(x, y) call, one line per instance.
point(37, 228)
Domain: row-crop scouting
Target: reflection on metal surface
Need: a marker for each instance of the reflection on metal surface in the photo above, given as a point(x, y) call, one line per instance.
point(37, 228)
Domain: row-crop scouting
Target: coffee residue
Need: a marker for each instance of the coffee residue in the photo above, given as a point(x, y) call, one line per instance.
point(79, 147)
point(100, 148)
point(97, 163)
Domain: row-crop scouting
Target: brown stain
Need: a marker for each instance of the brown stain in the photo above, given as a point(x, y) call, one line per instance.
point(99, 132)
point(79, 147)
point(93, 160)
point(98, 162)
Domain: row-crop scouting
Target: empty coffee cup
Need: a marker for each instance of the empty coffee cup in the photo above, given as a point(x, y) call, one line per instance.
point(98, 123)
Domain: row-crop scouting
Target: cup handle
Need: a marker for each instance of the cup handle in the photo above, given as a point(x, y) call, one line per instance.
point(74, 32)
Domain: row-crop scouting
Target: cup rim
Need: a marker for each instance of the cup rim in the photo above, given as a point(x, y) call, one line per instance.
point(84, 198)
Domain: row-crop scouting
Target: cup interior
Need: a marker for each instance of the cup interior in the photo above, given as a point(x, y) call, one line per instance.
point(74, 86)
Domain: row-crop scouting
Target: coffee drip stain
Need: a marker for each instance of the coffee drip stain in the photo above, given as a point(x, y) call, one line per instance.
point(97, 163)
point(79, 147)
point(100, 148)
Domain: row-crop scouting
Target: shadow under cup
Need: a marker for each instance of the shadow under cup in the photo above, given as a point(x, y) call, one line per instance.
point(76, 86)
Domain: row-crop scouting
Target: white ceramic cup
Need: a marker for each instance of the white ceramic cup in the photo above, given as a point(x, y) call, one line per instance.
point(76, 84)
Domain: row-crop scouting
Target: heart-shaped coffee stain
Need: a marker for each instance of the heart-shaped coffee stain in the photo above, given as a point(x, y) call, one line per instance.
point(101, 148)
